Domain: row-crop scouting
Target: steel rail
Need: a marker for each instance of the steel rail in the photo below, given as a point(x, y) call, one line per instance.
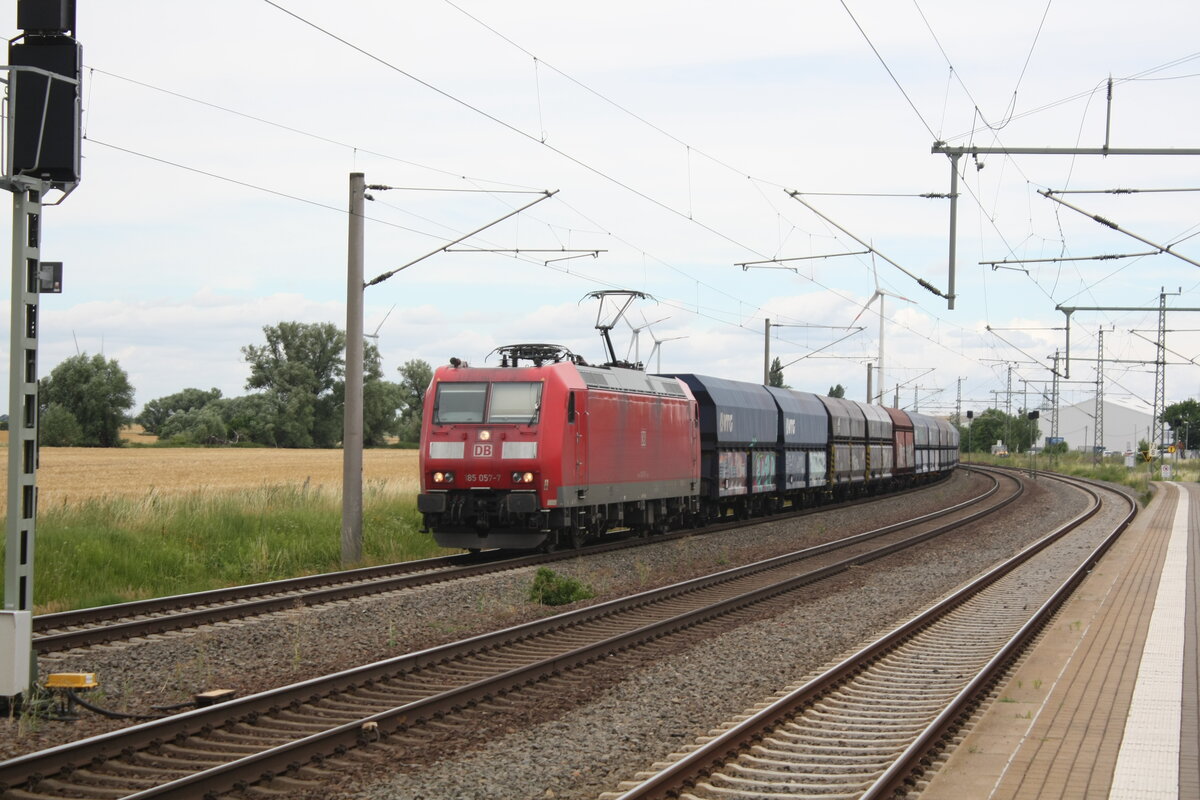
point(909, 762)
point(65, 630)
point(237, 775)
point(32, 767)
point(711, 756)
point(93, 614)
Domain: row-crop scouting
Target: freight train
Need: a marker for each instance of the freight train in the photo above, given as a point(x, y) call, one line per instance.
point(557, 452)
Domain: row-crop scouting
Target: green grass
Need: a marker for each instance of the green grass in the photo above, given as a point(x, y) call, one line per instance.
point(116, 550)
point(1111, 469)
point(552, 589)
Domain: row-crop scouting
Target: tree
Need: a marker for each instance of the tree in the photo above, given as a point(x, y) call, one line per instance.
point(415, 377)
point(381, 400)
point(1056, 449)
point(197, 426)
point(300, 372)
point(775, 374)
point(984, 431)
point(1184, 419)
point(59, 428)
point(250, 418)
point(299, 368)
point(96, 392)
point(1017, 432)
point(836, 391)
point(159, 410)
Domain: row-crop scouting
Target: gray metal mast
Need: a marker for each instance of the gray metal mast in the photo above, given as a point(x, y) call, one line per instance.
point(767, 352)
point(954, 153)
point(1160, 376)
point(1008, 393)
point(1098, 437)
point(1054, 400)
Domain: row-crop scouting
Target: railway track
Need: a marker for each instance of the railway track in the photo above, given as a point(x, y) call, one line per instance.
point(104, 624)
point(279, 738)
point(869, 726)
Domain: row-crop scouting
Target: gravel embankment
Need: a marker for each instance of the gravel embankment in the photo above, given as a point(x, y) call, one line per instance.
point(624, 725)
point(590, 736)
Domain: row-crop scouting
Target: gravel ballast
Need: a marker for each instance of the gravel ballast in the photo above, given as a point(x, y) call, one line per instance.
point(587, 740)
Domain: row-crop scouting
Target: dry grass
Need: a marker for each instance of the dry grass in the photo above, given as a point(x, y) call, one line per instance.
point(71, 475)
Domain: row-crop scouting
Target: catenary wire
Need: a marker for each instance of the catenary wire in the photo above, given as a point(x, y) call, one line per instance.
point(508, 126)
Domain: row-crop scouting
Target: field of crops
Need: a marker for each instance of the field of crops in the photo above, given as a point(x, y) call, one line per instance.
point(118, 524)
point(69, 475)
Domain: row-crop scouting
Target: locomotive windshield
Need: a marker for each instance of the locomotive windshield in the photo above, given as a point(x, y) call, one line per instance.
point(460, 402)
point(515, 402)
point(469, 402)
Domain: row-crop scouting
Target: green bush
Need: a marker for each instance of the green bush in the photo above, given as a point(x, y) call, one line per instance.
point(551, 589)
point(59, 428)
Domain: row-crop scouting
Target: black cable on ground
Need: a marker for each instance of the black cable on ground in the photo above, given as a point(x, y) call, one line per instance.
point(110, 714)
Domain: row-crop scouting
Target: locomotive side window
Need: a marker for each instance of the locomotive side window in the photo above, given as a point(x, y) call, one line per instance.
point(515, 402)
point(459, 402)
point(571, 407)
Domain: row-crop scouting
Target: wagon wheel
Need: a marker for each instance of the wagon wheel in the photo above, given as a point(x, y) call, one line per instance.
point(577, 537)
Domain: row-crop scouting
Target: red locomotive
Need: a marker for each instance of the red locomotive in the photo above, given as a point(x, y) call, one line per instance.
point(550, 454)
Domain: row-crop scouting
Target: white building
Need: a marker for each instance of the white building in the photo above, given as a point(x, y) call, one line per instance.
point(1124, 427)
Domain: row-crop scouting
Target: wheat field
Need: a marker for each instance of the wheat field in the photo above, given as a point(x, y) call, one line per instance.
point(71, 475)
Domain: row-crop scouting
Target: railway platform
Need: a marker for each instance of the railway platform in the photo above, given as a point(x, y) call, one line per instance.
point(1105, 705)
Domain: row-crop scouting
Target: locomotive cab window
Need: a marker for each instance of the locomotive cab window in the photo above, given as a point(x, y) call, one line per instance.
point(459, 402)
point(515, 402)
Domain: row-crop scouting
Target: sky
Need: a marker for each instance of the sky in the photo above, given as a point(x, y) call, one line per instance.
point(219, 140)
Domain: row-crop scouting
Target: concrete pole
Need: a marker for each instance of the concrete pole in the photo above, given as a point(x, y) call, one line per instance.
point(352, 425)
point(870, 396)
point(767, 353)
point(881, 378)
point(23, 396)
point(21, 670)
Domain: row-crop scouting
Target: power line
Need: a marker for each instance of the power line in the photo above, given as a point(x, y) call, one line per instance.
point(475, 180)
point(888, 69)
point(508, 126)
point(1080, 95)
point(254, 186)
point(295, 130)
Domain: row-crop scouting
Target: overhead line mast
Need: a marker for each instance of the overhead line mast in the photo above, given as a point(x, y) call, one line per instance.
point(955, 153)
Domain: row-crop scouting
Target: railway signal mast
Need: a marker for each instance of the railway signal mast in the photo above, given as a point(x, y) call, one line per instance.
point(42, 154)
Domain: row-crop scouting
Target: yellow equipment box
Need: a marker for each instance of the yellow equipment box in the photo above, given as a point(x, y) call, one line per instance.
point(72, 680)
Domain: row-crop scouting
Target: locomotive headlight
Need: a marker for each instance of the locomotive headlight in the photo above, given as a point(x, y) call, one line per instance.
point(522, 477)
point(485, 435)
point(443, 477)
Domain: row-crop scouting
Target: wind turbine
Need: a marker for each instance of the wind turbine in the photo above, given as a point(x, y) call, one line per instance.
point(635, 342)
point(879, 293)
point(375, 335)
point(657, 349)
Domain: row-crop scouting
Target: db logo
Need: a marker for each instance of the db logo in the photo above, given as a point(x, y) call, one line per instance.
point(483, 451)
